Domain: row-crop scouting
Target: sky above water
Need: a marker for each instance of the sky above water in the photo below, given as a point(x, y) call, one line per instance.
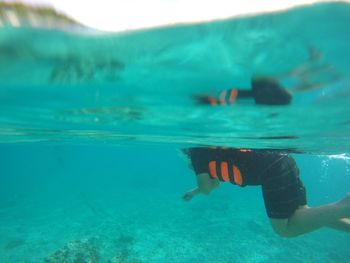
point(120, 15)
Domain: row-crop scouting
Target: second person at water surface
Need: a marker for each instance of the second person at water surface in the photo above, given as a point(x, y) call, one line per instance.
point(264, 91)
point(314, 73)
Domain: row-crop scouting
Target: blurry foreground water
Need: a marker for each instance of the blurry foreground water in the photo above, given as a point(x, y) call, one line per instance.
point(91, 125)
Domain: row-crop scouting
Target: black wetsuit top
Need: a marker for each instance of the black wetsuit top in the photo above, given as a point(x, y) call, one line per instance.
point(264, 91)
point(252, 164)
point(275, 170)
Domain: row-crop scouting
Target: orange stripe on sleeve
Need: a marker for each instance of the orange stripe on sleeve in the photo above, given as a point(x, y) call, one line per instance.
point(237, 176)
point(212, 101)
point(233, 95)
point(224, 172)
point(245, 150)
point(212, 169)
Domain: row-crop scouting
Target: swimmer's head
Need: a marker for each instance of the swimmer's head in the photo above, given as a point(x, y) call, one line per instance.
point(186, 152)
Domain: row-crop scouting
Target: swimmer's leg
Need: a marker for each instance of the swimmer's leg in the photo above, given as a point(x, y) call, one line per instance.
point(307, 219)
point(341, 224)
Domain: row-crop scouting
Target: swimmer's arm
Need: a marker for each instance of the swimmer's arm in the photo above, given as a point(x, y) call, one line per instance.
point(190, 194)
point(205, 184)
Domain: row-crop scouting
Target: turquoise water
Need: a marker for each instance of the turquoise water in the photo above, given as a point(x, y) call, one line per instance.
point(91, 125)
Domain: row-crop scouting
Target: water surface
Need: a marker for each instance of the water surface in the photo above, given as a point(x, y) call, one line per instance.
point(91, 125)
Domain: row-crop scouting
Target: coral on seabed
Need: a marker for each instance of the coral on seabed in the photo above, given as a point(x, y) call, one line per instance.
point(77, 251)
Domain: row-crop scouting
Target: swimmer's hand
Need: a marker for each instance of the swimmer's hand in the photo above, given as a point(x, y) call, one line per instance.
point(187, 196)
point(190, 194)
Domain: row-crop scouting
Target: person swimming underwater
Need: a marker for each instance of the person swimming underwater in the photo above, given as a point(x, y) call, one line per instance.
point(283, 191)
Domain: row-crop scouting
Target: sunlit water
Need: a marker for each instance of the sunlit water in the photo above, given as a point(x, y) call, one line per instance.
point(91, 125)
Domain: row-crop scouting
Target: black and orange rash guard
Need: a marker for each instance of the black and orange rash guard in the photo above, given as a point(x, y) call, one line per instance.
point(264, 91)
point(275, 170)
point(238, 166)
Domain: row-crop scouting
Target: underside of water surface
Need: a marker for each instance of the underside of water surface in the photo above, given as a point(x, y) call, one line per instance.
point(84, 85)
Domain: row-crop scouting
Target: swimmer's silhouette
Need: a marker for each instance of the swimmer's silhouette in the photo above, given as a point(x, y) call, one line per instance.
point(283, 191)
point(268, 90)
point(265, 91)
